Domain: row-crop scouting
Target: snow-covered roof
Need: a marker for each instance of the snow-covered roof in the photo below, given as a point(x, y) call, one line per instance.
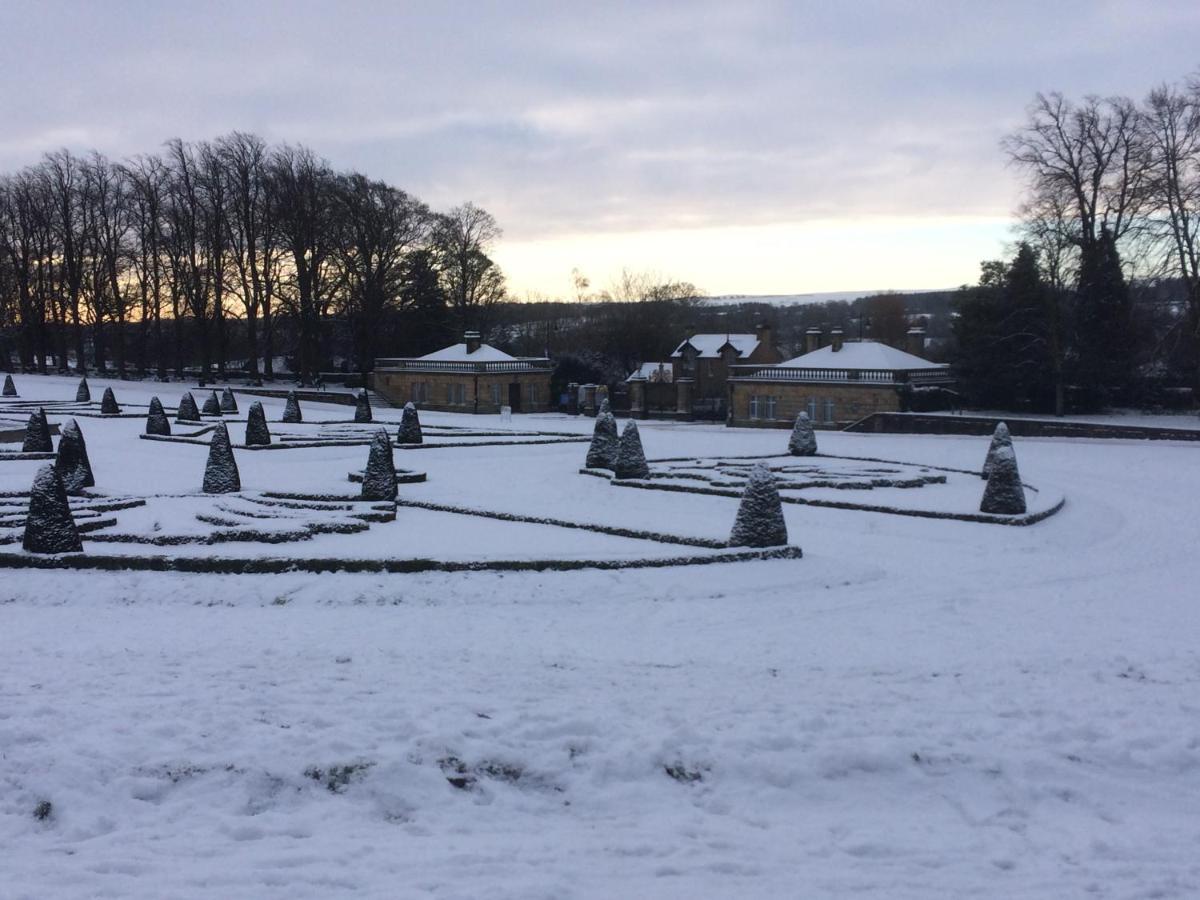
point(708, 346)
point(458, 353)
point(654, 371)
point(860, 355)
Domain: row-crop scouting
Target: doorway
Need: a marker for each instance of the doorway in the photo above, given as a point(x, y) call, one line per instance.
point(514, 396)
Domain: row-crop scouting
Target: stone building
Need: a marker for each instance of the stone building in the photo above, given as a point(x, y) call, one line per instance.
point(836, 384)
point(470, 377)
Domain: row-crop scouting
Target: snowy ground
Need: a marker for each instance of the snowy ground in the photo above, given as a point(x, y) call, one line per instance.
point(918, 708)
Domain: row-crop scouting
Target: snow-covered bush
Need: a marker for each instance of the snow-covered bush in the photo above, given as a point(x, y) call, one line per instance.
point(228, 402)
point(212, 406)
point(379, 479)
point(221, 472)
point(1004, 493)
point(257, 433)
point(291, 409)
point(631, 460)
point(187, 409)
point(604, 407)
point(72, 463)
point(10, 389)
point(804, 440)
point(410, 426)
point(362, 407)
point(156, 421)
point(50, 527)
point(602, 454)
point(759, 521)
point(108, 403)
point(1000, 438)
point(37, 434)
point(82, 393)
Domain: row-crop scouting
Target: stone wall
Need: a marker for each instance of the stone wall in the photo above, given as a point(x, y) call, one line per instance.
point(851, 402)
point(397, 387)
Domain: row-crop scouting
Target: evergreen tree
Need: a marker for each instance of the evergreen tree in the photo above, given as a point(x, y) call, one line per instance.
point(379, 479)
point(228, 402)
point(221, 472)
point(108, 403)
point(212, 406)
point(1004, 493)
point(50, 527)
point(82, 393)
point(257, 432)
point(187, 411)
point(1000, 438)
point(1103, 314)
point(410, 426)
point(72, 463)
point(362, 407)
point(759, 521)
point(37, 434)
point(10, 389)
point(291, 409)
point(631, 460)
point(602, 454)
point(803, 441)
point(157, 421)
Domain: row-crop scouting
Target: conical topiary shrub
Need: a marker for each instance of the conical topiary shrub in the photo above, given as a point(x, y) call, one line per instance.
point(187, 411)
point(228, 402)
point(291, 409)
point(604, 407)
point(759, 521)
point(72, 463)
point(257, 433)
point(1000, 438)
point(410, 426)
point(156, 421)
point(50, 527)
point(37, 434)
point(803, 441)
point(10, 389)
point(379, 479)
point(221, 473)
point(1004, 493)
point(212, 406)
point(362, 407)
point(631, 460)
point(82, 393)
point(602, 454)
point(108, 403)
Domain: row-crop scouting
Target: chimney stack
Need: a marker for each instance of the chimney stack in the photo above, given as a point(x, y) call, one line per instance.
point(916, 341)
point(472, 341)
point(812, 340)
point(762, 331)
point(835, 337)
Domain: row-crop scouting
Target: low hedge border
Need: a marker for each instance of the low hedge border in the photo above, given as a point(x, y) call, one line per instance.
point(403, 476)
point(17, 455)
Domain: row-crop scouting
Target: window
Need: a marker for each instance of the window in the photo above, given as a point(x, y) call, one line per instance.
point(763, 407)
point(828, 410)
point(812, 409)
point(495, 395)
point(456, 395)
point(772, 401)
point(420, 391)
point(532, 392)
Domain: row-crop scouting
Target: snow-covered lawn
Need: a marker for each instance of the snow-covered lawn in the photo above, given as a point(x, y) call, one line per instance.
point(917, 708)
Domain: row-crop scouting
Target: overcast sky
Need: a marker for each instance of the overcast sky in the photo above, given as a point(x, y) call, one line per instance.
point(747, 147)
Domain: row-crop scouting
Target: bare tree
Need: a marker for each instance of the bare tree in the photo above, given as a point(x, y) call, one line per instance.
point(473, 282)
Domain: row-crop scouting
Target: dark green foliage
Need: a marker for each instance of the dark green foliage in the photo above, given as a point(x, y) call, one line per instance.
point(37, 434)
point(602, 454)
point(759, 520)
point(631, 460)
point(43, 811)
point(803, 441)
point(72, 463)
point(82, 393)
point(1103, 317)
point(410, 426)
point(187, 409)
point(257, 433)
point(212, 406)
point(1000, 438)
point(50, 527)
point(108, 403)
point(1004, 493)
point(156, 421)
point(362, 408)
point(221, 472)
point(291, 409)
point(10, 389)
point(228, 402)
point(379, 479)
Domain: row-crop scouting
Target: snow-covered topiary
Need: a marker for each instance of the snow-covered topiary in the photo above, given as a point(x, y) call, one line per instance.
point(72, 463)
point(187, 409)
point(82, 393)
point(37, 434)
point(1004, 493)
point(362, 407)
point(221, 473)
point(410, 426)
point(804, 440)
point(10, 389)
point(228, 402)
point(50, 527)
point(604, 407)
point(156, 421)
point(759, 521)
point(257, 433)
point(212, 406)
point(379, 479)
point(631, 460)
point(108, 403)
point(602, 454)
point(1000, 438)
point(291, 409)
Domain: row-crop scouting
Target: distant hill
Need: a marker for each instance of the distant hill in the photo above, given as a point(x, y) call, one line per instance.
point(818, 297)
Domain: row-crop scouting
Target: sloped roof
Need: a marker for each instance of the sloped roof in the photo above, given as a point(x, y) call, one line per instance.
point(860, 355)
point(458, 353)
point(708, 346)
point(654, 371)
